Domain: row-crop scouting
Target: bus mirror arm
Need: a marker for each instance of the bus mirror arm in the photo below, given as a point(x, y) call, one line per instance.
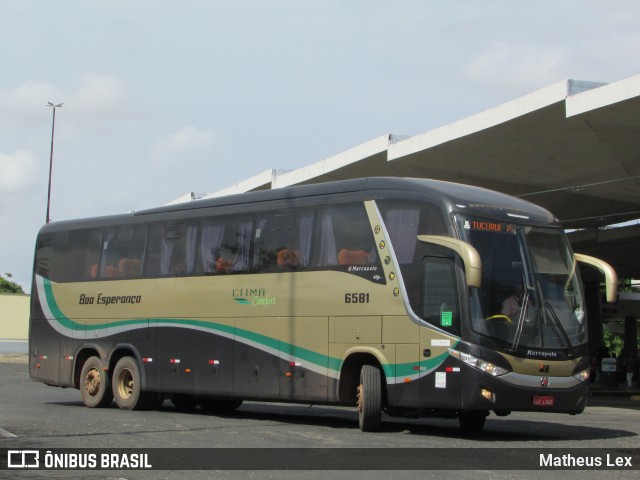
point(610, 276)
point(470, 256)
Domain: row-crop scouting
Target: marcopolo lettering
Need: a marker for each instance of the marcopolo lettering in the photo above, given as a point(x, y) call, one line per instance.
point(541, 354)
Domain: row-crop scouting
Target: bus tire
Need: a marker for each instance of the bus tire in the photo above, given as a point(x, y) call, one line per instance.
point(95, 385)
point(369, 399)
point(472, 422)
point(126, 384)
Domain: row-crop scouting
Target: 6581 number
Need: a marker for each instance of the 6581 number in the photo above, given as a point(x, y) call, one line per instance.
point(356, 298)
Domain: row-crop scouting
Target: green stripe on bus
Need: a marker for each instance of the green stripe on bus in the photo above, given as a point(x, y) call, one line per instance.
point(325, 361)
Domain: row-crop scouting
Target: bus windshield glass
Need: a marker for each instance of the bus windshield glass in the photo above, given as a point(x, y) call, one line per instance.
point(531, 295)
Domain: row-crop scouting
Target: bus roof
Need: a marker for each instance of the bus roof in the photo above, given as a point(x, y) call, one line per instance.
point(450, 196)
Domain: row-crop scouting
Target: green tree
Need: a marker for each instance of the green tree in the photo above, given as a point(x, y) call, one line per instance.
point(7, 286)
point(613, 342)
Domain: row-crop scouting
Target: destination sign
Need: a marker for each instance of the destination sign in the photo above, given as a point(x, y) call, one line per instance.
point(488, 226)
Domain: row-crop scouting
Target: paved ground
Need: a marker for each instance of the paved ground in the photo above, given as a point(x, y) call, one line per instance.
point(33, 415)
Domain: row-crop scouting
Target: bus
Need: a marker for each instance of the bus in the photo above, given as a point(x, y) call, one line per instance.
point(412, 297)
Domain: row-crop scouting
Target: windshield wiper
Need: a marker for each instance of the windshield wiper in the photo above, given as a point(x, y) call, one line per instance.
point(556, 324)
point(521, 317)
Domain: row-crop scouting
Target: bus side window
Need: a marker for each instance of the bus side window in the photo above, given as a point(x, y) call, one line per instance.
point(276, 243)
point(83, 255)
point(50, 256)
point(238, 246)
point(344, 237)
point(123, 251)
point(225, 244)
point(439, 303)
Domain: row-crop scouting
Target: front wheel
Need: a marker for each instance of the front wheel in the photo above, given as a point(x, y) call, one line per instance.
point(95, 385)
point(369, 400)
point(127, 385)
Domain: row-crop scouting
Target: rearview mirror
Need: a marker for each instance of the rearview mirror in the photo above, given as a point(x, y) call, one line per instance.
point(470, 256)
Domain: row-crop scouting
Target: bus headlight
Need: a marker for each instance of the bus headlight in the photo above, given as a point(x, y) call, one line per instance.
point(482, 365)
point(583, 376)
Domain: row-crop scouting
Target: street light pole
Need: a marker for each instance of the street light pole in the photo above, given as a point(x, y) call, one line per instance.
point(53, 127)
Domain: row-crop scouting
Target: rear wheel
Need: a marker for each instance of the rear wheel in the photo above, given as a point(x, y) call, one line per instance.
point(369, 400)
point(127, 385)
point(95, 385)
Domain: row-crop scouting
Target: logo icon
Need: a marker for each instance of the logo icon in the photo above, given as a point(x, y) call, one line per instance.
point(544, 382)
point(23, 459)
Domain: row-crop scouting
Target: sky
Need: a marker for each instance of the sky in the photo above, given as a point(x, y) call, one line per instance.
point(162, 98)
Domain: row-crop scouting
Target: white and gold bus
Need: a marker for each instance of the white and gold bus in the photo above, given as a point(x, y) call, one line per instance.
point(409, 296)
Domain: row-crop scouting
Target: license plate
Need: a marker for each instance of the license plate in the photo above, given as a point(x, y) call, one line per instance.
point(543, 400)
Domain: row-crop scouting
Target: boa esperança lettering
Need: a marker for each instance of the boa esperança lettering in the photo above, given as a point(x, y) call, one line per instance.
point(109, 299)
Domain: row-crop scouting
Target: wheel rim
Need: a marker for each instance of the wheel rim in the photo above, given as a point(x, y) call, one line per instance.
point(360, 399)
point(92, 382)
point(125, 384)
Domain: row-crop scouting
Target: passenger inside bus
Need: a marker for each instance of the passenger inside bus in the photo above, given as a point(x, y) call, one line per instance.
point(353, 257)
point(128, 267)
point(288, 260)
point(512, 304)
point(223, 265)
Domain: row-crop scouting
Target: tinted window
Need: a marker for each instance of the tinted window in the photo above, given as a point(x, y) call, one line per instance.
point(439, 304)
point(225, 245)
point(344, 237)
point(123, 251)
point(282, 241)
point(172, 249)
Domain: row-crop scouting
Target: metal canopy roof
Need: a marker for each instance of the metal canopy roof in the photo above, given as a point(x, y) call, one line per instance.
point(572, 147)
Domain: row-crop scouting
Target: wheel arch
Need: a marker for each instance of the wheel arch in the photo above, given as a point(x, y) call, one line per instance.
point(349, 379)
point(82, 355)
point(128, 350)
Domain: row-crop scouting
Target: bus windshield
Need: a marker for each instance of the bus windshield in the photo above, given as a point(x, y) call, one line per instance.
point(531, 295)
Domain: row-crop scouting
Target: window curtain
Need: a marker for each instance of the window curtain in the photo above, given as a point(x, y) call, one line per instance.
point(212, 235)
point(190, 247)
point(259, 245)
point(241, 262)
point(402, 224)
point(305, 232)
point(166, 248)
point(328, 251)
point(105, 251)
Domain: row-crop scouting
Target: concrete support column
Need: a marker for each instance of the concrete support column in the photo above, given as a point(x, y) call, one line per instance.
point(630, 350)
point(631, 336)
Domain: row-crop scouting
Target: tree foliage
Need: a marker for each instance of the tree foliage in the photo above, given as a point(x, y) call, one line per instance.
point(613, 343)
point(7, 286)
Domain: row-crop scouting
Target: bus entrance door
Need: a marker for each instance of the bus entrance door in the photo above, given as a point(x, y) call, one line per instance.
point(440, 308)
